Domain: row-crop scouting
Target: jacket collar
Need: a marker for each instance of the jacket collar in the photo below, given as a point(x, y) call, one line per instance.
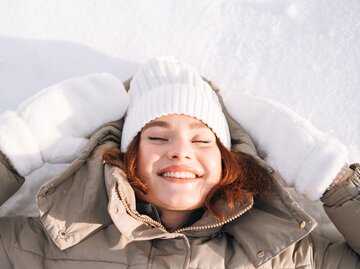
point(122, 199)
point(274, 223)
point(270, 226)
point(74, 204)
point(263, 227)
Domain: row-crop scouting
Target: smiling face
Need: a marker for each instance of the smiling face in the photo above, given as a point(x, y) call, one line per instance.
point(179, 161)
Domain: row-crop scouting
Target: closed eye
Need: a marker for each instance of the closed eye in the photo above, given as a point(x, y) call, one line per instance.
point(202, 141)
point(156, 138)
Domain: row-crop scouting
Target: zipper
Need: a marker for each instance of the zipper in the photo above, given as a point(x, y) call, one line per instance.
point(157, 224)
point(218, 224)
point(146, 219)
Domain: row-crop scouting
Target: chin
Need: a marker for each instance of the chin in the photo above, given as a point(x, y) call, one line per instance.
point(181, 205)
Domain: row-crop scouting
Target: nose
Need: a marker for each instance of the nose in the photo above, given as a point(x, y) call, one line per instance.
point(179, 150)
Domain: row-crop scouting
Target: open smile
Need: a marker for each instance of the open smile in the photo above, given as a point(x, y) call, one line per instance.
point(180, 174)
point(180, 171)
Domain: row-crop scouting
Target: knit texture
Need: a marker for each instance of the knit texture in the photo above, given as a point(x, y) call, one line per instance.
point(162, 87)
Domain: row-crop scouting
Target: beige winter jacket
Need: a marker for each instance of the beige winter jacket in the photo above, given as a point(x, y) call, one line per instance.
point(88, 219)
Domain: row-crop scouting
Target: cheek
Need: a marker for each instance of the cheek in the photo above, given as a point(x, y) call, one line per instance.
point(214, 166)
point(146, 161)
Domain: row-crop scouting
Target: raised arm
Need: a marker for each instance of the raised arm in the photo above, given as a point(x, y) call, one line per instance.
point(342, 205)
point(306, 158)
point(53, 126)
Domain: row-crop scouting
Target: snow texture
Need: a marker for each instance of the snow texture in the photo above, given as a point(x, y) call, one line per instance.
point(302, 53)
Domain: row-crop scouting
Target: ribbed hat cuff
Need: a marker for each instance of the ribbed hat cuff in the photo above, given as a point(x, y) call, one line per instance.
point(175, 99)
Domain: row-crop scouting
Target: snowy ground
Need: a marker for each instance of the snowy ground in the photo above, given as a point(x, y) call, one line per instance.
point(304, 53)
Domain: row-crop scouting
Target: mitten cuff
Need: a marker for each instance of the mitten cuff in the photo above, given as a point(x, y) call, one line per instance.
point(18, 143)
point(320, 167)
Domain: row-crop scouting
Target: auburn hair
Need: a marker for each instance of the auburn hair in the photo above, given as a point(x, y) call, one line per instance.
point(241, 177)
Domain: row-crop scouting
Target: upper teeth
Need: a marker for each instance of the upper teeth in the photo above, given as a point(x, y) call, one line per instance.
point(179, 174)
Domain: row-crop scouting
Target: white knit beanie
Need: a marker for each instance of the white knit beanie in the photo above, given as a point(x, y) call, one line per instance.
point(164, 86)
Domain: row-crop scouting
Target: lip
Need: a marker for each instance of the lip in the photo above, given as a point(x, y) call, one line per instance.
point(180, 180)
point(182, 168)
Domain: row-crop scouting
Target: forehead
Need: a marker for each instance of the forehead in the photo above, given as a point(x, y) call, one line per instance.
point(169, 121)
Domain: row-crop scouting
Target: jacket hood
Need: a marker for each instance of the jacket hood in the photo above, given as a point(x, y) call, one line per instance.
point(89, 196)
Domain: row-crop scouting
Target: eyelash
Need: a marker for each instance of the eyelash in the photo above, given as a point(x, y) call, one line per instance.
point(202, 141)
point(157, 138)
point(154, 138)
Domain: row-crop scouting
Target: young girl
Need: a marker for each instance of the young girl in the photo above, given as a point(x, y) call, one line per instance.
point(177, 184)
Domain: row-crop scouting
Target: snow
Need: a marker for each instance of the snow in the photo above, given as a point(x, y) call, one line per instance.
point(302, 53)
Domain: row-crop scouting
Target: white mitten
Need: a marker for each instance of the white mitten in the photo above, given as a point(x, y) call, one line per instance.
point(53, 126)
point(305, 157)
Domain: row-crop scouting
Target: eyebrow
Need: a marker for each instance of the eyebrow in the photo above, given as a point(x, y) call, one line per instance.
point(163, 124)
point(156, 123)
